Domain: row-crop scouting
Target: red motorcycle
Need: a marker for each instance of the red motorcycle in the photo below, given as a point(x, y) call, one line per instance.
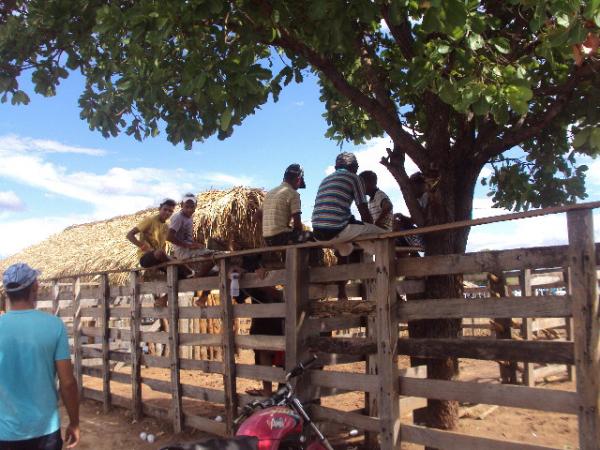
point(278, 423)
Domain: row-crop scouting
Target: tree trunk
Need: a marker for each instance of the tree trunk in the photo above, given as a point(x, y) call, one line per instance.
point(450, 198)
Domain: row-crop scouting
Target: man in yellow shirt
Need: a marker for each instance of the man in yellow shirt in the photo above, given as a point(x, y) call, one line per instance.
point(153, 236)
point(282, 208)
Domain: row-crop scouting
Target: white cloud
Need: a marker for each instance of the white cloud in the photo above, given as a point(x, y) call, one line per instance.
point(21, 144)
point(9, 201)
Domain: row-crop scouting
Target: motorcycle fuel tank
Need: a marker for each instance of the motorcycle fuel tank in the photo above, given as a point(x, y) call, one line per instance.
point(271, 426)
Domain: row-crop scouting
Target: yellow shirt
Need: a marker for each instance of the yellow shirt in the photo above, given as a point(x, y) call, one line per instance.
point(279, 206)
point(153, 232)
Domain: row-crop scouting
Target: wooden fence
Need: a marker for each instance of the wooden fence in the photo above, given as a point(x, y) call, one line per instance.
point(309, 313)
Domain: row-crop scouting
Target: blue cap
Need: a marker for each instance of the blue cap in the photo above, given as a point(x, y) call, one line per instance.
point(18, 276)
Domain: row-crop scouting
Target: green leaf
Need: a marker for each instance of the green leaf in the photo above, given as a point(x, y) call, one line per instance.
point(581, 137)
point(226, 119)
point(502, 45)
point(592, 9)
point(595, 138)
point(475, 41)
point(443, 49)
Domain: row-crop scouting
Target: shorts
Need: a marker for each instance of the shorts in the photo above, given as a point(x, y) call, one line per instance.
point(285, 238)
point(52, 441)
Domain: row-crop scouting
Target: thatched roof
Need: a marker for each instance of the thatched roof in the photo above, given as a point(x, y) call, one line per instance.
point(99, 246)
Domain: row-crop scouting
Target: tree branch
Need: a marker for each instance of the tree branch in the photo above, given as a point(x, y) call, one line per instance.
point(401, 33)
point(388, 121)
point(394, 163)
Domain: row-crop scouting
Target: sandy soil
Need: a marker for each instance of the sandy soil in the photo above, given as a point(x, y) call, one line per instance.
point(116, 429)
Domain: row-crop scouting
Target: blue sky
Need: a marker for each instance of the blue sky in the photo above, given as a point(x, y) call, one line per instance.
point(55, 172)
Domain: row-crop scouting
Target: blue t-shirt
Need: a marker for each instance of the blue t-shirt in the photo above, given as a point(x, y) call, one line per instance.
point(30, 342)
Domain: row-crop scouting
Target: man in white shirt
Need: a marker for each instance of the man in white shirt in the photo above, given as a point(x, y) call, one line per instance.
point(380, 206)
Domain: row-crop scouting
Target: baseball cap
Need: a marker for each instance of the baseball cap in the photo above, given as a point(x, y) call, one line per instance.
point(18, 276)
point(189, 197)
point(346, 159)
point(297, 170)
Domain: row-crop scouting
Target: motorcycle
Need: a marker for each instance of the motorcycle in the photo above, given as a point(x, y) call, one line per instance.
point(278, 423)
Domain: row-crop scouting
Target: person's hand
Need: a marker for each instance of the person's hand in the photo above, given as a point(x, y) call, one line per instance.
point(145, 247)
point(72, 436)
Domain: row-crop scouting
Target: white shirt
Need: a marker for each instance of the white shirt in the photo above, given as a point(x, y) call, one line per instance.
point(375, 209)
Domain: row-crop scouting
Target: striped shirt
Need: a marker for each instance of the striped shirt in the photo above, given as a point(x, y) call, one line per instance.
point(334, 198)
point(279, 206)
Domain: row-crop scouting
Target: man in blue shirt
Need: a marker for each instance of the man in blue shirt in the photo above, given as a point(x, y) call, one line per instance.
point(34, 349)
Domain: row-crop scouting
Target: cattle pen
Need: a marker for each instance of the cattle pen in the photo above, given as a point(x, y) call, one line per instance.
point(106, 324)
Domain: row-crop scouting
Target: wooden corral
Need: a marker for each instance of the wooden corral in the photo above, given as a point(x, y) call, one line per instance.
point(388, 391)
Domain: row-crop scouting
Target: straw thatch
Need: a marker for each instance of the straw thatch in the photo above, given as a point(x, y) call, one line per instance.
point(100, 246)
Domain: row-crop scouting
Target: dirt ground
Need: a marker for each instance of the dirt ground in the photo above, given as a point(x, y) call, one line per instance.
point(117, 430)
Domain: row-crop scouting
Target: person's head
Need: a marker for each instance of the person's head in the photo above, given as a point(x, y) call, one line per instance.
point(294, 175)
point(346, 160)
point(20, 283)
point(417, 181)
point(188, 204)
point(369, 179)
point(166, 208)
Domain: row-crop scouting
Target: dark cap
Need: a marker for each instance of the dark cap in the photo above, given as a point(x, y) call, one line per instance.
point(295, 170)
point(18, 276)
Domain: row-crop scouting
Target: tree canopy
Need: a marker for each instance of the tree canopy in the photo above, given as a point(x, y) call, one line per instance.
point(456, 84)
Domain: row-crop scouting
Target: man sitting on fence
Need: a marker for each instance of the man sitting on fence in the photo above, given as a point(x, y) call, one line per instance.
point(34, 349)
point(380, 206)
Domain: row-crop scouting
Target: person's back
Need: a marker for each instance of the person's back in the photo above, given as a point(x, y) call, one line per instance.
point(31, 342)
point(278, 207)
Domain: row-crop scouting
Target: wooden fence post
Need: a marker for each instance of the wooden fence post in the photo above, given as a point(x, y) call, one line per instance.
point(371, 366)
point(136, 353)
point(55, 294)
point(569, 327)
point(228, 345)
point(296, 308)
point(76, 305)
point(583, 287)
point(387, 344)
point(173, 304)
point(104, 317)
point(527, 326)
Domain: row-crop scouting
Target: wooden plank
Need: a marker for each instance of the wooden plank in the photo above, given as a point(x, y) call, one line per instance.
point(321, 413)
point(228, 346)
point(449, 440)
point(156, 361)
point(342, 346)
point(118, 291)
point(120, 312)
point(387, 350)
point(488, 261)
point(296, 303)
point(267, 310)
point(254, 372)
point(203, 393)
point(583, 287)
point(200, 339)
point(261, 342)
point(159, 337)
point(492, 394)
point(157, 412)
point(199, 284)
point(344, 380)
point(135, 343)
point(157, 313)
point(91, 331)
point(272, 278)
point(153, 287)
point(321, 325)
point(345, 272)
point(205, 425)
point(204, 366)
point(119, 334)
point(200, 312)
point(546, 371)
point(76, 333)
point(55, 294)
point(105, 314)
point(545, 324)
point(456, 308)
point(489, 349)
point(91, 311)
point(173, 306)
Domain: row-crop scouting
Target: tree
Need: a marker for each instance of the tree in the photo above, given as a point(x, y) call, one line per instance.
point(456, 85)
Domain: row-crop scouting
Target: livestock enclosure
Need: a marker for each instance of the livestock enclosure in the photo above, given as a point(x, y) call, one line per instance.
point(106, 322)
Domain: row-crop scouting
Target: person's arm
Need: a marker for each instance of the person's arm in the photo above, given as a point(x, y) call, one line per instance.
point(386, 210)
point(297, 222)
point(131, 236)
point(365, 215)
point(70, 398)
